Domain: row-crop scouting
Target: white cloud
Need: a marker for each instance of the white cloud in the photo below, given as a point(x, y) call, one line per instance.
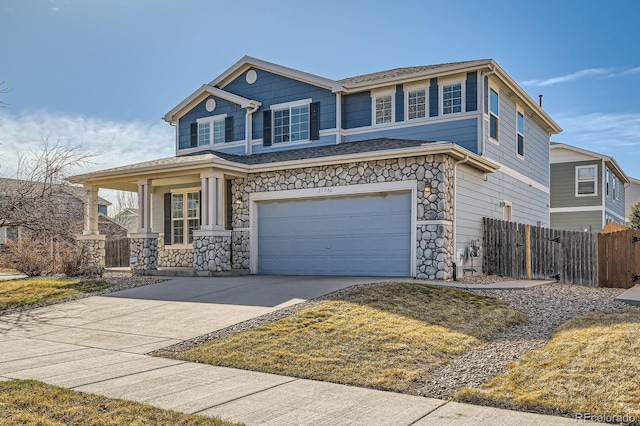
point(114, 143)
point(634, 70)
point(614, 134)
point(568, 77)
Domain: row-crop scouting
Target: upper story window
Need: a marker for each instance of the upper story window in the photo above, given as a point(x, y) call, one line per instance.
point(291, 121)
point(416, 104)
point(520, 134)
point(185, 216)
point(614, 187)
point(452, 98)
point(211, 130)
point(494, 113)
point(384, 109)
point(586, 181)
point(607, 180)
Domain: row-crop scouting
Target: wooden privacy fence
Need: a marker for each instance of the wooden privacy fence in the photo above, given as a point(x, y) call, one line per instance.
point(533, 252)
point(619, 258)
point(116, 252)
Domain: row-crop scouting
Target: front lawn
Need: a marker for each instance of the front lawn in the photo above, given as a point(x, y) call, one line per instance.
point(16, 293)
point(384, 337)
point(591, 365)
point(28, 402)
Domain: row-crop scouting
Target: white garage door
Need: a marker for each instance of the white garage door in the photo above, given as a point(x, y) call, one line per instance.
point(368, 235)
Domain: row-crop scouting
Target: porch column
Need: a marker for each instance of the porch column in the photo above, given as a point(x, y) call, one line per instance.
point(144, 206)
point(144, 243)
point(212, 244)
point(90, 242)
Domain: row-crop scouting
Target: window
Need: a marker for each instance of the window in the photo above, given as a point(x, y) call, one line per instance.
point(607, 179)
point(494, 101)
point(291, 124)
point(211, 130)
point(614, 187)
point(416, 104)
point(384, 109)
point(452, 98)
point(520, 142)
point(185, 215)
point(586, 181)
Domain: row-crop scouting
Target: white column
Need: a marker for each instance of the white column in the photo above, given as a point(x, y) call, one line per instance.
point(144, 206)
point(204, 203)
point(220, 204)
point(90, 210)
point(212, 202)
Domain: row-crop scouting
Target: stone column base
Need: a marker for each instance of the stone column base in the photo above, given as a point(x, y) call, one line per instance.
point(144, 251)
point(93, 252)
point(212, 251)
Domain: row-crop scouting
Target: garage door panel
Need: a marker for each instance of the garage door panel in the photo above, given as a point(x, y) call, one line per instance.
point(359, 235)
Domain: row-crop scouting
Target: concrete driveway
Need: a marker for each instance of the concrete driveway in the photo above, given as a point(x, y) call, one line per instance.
point(147, 318)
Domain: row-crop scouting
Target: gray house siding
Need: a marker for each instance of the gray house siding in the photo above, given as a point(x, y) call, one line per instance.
point(356, 110)
point(617, 205)
point(463, 132)
point(199, 111)
point(273, 89)
point(535, 163)
point(563, 190)
point(577, 221)
point(477, 198)
point(632, 196)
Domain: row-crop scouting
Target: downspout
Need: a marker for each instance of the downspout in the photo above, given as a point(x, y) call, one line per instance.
point(248, 128)
point(482, 98)
point(454, 222)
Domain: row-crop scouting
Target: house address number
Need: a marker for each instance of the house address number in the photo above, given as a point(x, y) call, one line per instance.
point(325, 191)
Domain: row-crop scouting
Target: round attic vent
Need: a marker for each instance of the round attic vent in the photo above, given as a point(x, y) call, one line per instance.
point(210, 105)
point(252, 76)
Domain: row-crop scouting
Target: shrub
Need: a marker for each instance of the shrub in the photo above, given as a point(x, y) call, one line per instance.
point(30, 257)
point(71, 261)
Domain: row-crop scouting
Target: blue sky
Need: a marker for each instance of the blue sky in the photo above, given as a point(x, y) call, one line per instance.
point(101, 73)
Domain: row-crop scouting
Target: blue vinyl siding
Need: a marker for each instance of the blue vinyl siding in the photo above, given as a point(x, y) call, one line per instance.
point(356, 110)
point(463, 132)
point(535, 164)
point(199, 111)
point(616, 206)
point(366, 235)
point(399, 103)
point(272, 89)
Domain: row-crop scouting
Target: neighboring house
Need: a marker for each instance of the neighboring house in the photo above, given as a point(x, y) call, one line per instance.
point(72, 198)
point(632, 195)
point(128, 219)
point(587, 189)
point(278, 171)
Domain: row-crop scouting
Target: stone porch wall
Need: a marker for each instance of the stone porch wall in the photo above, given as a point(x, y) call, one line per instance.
point(172, 258)
point(434, 240)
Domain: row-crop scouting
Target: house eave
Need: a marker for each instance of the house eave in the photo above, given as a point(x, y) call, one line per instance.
point(610, 161)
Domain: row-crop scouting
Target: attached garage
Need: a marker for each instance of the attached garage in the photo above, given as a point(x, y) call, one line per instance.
point(365, 235)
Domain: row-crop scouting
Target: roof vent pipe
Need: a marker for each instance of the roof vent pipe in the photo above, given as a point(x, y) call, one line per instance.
point(540, 97)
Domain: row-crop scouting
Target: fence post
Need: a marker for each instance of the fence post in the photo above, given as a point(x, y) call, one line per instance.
point(527, 248)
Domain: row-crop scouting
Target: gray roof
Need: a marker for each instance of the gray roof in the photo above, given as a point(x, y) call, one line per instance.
point(19, 185)
point(402, 72)
point(370, 145)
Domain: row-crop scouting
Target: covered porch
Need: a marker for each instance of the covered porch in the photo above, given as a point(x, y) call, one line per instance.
point(184, 220)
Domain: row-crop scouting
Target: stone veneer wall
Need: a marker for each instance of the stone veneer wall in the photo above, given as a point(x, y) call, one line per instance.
point(212, 253)
point(171, 258)
point(435, 241)
point(93, 252)
point(146, 249)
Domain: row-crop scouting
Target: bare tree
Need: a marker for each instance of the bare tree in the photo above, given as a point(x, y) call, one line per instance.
point(38, 199)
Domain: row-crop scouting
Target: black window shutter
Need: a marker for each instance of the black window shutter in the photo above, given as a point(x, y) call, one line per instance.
point(433, 98)
point(167, 219)
point(228, 129)
point(472, 91)
point(200, 205)
point(194, 135)
point(485, 101)
point(314, 121)
point(266, 128)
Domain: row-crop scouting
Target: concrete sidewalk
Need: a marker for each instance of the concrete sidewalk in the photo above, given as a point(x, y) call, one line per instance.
point(97, 345)
point(631, 296)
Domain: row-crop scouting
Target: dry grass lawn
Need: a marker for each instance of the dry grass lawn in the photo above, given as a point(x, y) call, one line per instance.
point(34, 403)
point(383, 337)
point(16, 293)
point(591, 365)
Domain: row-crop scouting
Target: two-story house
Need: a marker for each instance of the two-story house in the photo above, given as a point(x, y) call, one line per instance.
point(278, 171)
point(587, 189)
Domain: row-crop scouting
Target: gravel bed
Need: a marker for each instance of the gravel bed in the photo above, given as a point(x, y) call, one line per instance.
point(546, 307)
point(120, 281)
